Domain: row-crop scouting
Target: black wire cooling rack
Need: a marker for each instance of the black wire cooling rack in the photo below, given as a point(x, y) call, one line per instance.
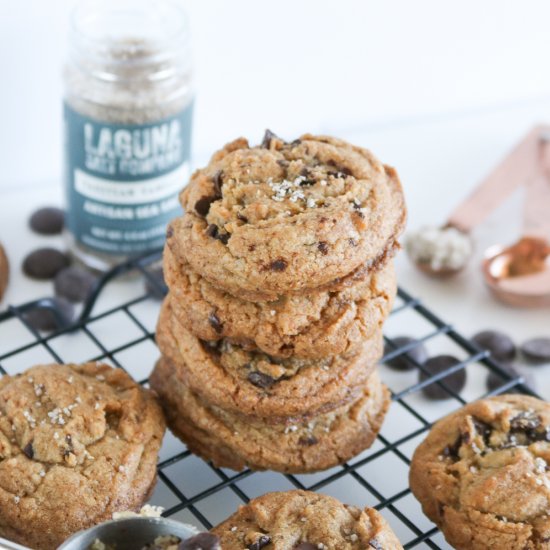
point(196, 492)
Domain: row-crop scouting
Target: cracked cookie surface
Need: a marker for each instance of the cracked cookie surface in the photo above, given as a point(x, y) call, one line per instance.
point(235, 441)
point(482, 474)
point(77, 443)
point(310, 325)
point(251, 382)
point(302, 520)
point(286, 217)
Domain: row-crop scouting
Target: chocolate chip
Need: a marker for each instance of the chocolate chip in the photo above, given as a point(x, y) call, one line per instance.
point(495, 380)
point(339, 169)
point(28, 451)
point(373, 543)
point(223, 237)
point(202, 206)
point(45, 263)
point(283, 163)
point(308, 441)
point(215, 322)
point(451, 451)
point(405, 361)
point(44, 318)
point(202, 541)
point(483, 429)
point(306, 546)
point(214, 232)
point(537, 350)
point(500, 345)
point(242, 218)
point(526, 428)
point(323, 248)
point(47, 221)
point(217, 180)
point(268, 137)
point(278, 265)
point(436, 365)
point(74, 283)
point(264, 540)
point(169, 232)
point(525, 421)
point(155, 285)
point(260, 379)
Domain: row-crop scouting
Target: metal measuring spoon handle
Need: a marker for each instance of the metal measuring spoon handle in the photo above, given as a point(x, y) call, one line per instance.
point(519, 166)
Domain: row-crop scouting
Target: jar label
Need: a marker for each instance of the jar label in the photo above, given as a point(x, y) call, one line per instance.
point(123, 180)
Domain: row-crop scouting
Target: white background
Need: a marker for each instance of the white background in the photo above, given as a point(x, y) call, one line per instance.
point(293, 66)
point(439, 89)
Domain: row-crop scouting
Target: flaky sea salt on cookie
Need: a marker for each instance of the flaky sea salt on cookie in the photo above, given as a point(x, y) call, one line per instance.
point(285, 217)
point(77, 443)
point(482, 474)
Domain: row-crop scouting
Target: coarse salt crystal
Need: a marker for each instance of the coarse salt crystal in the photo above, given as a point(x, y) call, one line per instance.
point(540, 465)
point(441, 248)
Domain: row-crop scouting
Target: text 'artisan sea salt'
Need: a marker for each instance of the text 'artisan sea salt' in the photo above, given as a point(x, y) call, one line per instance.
point(128, 112)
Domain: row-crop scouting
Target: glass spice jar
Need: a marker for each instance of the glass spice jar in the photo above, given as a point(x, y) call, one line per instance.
point(127, 112)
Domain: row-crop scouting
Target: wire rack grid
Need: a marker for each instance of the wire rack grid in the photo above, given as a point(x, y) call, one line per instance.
point(117, 326)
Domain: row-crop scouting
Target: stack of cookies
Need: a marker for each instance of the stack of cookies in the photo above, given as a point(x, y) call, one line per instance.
point(280, 279)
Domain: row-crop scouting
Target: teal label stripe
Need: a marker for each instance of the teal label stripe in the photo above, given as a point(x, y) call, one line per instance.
point(122, 181)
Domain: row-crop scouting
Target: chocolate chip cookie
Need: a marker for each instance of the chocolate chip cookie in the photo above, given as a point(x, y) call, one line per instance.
point(77, 443)
point(287, 217)
point(302, 520)
point(310, 325)
point(233, 440)
point(482, 474)
point(4, 271)
point(251, 382)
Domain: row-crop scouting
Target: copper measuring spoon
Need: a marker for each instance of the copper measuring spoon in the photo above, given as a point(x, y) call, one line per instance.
point(518, 167)
point(519, 274)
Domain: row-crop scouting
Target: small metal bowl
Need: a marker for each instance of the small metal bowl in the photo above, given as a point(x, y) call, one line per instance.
point(128, 533)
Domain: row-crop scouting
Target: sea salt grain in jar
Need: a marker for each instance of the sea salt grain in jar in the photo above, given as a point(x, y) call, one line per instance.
point(128, 110)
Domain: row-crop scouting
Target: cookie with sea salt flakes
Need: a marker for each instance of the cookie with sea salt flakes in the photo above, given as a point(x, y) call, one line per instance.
point(77, 443)
point(482, 474)
point(310, 325)
point(287, 217)
point(232, 440)
point(303, 520)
